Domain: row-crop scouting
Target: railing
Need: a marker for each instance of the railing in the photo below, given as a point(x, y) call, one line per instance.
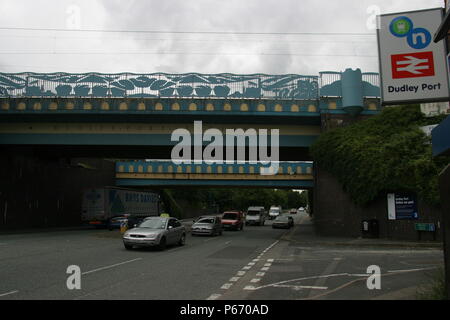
point(191, 85)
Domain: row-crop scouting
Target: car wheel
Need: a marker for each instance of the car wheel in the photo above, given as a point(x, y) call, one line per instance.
point(128, 247)
point(182, 240)
point(162, 244)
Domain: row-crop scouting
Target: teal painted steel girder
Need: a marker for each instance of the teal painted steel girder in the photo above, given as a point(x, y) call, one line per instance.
point(167, 166)
point(291, 184)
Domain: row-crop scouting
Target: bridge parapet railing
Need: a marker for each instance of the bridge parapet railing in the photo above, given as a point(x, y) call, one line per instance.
point(292, 168)
point(154, 85)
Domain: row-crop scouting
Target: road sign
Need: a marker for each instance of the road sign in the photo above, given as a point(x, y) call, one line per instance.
point(413, 68)
point(402, 207)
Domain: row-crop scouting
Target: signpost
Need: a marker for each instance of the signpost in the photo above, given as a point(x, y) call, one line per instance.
point(413, 68)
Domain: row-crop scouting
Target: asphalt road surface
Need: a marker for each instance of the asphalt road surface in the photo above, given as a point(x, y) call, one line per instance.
point(256, 263)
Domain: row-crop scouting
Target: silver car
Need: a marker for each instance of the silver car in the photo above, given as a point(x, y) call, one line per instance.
point(210, 226)
point(155, 231)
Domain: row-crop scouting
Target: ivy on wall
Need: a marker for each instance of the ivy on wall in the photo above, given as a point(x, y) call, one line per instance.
point(385, 153)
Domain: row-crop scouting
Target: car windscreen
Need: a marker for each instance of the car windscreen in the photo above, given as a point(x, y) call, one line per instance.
point(207, 220)
point(230, 216)
point(253, 213)
point(281, 218)
point(154, 224)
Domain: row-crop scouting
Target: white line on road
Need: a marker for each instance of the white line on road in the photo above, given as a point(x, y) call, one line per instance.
point(251, 263)
point(235, 279)
point(300, 287)
point(111, 266)
point(271, 260)
point(8, 293)
point(255, 280)
point(241, 273)
point(265, 269)
point(214, 296)
point(411, 270)
point(226, 286)
point(249, 288)
point(246, 268)
point(260, 274)
point(267, 265)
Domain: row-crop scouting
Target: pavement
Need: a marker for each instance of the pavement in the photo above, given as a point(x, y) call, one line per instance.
point(304, 233)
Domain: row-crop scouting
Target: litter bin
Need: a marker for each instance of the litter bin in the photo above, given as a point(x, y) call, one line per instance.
point(370, 228)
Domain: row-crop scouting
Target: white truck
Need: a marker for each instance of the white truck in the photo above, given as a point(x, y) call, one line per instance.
point(255, 215)
point(99, 205)
point(274, 212)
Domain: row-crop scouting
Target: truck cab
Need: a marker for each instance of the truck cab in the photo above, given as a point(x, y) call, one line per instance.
point(274, 212)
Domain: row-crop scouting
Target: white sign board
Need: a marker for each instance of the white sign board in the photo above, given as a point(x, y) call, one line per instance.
point(391, 206)
point(413, 68)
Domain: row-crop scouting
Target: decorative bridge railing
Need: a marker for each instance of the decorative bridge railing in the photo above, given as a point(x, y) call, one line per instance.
point(164, 85)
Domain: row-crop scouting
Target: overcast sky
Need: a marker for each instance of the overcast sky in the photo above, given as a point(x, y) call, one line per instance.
point(206, 36)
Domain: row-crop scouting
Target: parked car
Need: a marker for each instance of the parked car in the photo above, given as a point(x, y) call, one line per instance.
point(210, 226)
point(293, 211)
point(283, 221)
point(233, 220)
point(155, 231)
point(255, 215)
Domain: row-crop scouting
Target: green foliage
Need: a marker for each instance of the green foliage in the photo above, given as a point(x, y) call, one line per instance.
point(387, 152)
point(170, 205)
point(240, 198)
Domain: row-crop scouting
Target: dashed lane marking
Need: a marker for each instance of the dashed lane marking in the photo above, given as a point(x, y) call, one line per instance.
point(8, 293)
point(214, 296)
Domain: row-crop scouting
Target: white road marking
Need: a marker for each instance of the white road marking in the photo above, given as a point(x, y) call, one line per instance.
point(111, 266)
point(249, 288)
point(8, 293)
point(265, 269)
point(300, 287)
point(241, 273)
point(228, 242)
point(260, 274)
point(255, 280)
point(214, 296)
point(267, 265)
point(251, 264)
point(411, 270)
point(234, 279)
point(254, 260)
point(246, 268)
point(226, 286)
point(271, 260)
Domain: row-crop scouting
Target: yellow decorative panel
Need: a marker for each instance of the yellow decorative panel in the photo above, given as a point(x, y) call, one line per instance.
point(70, 106)
point(309, 170)
point(21, 106)
point(176, 106)
point(198, 169)
point(278, 108)
point(312, 108)
point(230, 169)
point(159, 106)
point(104, 105)
point(244, 107)
point(299, 170)
point(241, 169)
point(188, 169)
point(252, 169)
point(261, 108)
point(53, 106)
point(209, 107)
point(130, 169)
point(141, 106)
point(170, 169)
point(192, 107)
point(209, 169)
point(227, 107)
point(87, 106)
point(140, 169)
point(150, 169)
point(280, 170)
point(121, 168)
point(219, 169)
point(332, 105)
point(295, 108)
point(123, 106)
point(5, 106)
point(179, 169)
point(37, 106)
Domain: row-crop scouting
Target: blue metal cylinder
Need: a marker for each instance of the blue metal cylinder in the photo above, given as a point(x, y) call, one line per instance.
point(352, 91)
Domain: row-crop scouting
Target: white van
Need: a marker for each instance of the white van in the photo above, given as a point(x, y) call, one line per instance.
point(274, 212)
point(255, 215)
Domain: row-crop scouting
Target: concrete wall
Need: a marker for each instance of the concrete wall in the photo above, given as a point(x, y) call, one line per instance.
point(36, 192)
point(336, 215)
